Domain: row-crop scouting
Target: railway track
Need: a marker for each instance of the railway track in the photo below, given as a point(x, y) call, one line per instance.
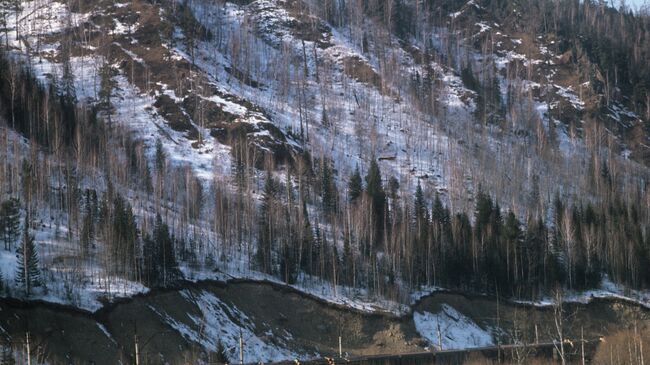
point(506, 353)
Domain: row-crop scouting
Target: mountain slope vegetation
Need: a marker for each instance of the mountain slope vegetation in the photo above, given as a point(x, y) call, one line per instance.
point(349, 148)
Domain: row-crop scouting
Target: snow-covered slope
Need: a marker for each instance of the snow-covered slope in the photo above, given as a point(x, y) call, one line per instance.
point(449, 329)
point(299, 87)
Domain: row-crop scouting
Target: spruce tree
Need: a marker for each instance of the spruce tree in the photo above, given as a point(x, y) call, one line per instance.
point(27, 177)
point(161, 158)
point(221, 357)
point(88, 222)
point(419, 205)
point(328, 190)
point(355, 187)
point(265, 234)
point(421, 253)
point(28, 274)
point(9, 222)
point(67, 89)
point(307, 241)
point(375, 191)
point(107, 86)
point(166, 256)
point(348, 262)
point(287, 265)
point(124, 238)
point(393, 188)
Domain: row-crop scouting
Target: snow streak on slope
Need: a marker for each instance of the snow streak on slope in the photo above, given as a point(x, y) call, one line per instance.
point(455, 330)
point(218, 321)
point(607, 290)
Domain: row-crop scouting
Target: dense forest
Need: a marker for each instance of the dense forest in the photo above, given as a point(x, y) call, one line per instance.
point(301, 219)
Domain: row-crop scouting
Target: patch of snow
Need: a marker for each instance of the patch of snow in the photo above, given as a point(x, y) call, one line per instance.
point(106, 333)
point(456, 330)
point(484, 27)
point(216, 322)
point(570, 96)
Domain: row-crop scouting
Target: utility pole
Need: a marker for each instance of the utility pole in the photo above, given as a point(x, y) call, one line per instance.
point(340, 325)
point(135, 342)
point(29, 357)
point(241, 346)
point(137, 350)
point(582, 343)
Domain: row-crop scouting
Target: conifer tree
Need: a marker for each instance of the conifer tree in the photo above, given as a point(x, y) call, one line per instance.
point(348, 262)
point(9, 222)
point(328, 189)
point(419, 205)
point(287, 264)
point(166, 256)
point(221, 357)
point(375, 191)
point(106, 89)
point(27, 181)
point(161, 158)
point(265, 235)
point(307, 241)
point(123, 240)
point(355, 187)
point(88, 221)
point(28, 274)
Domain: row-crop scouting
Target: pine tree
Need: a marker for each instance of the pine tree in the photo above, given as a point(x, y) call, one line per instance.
point(393, 188)
point(265, 235)
point(419, 205)
point(354, 185)
point(166, 255)
point(375, 191)
point(307, 241)
point(287, 265)
point(9, 222)
point(27, 177)
point(421, 254)
point(107, 86)
point(221, 357)
point(28, 274)
point(348, 262)
point(328, 190)
point(161, 158)
point(87, 235)
point(67, 89)
point(124, 238)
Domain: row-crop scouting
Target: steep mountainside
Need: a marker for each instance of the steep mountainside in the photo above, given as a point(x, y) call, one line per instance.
point(505, 147)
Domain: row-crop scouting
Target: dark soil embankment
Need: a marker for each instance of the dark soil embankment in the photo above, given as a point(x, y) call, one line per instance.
point(63, 335)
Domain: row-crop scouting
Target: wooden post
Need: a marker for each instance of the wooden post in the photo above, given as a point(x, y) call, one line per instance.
point(536, 335)
point(340, 348)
